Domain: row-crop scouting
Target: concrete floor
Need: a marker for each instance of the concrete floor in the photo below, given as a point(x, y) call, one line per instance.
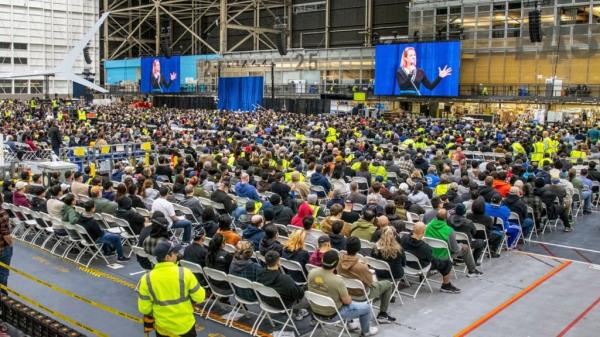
point(546, 310)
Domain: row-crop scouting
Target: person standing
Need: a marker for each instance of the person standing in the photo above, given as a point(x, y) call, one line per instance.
point(6, 245)
point(167, 292)
point(55, 138)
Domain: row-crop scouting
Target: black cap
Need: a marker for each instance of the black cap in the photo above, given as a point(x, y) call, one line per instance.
point(199, 233)
point(323, 238)
point(330, 259)
point(165, 248)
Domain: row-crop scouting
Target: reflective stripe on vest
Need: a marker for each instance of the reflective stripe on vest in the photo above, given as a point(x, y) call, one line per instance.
point(182, 298)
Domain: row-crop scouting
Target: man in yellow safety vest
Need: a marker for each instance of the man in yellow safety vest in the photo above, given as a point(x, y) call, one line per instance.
point(167, 291)
point(538, 151)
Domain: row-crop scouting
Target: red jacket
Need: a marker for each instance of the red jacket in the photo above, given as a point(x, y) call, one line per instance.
point(502, 187)
point(19, 199)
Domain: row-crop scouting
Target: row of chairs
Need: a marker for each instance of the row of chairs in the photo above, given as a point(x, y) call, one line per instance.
point(41, 229)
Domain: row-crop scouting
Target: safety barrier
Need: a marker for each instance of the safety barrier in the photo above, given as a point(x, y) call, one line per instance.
point(56, 314)
point(104, 156)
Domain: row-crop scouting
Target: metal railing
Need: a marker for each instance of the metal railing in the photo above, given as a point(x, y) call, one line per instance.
point(516, 90)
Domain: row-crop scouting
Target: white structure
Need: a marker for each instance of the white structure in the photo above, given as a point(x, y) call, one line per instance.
point(36, 35)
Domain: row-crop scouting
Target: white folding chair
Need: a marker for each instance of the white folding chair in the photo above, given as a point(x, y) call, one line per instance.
point(440, 244)
point(294, 266)
point(310, 267)
point(462, 237)
point(377, 264)
point(481, 228)
point(216, 292)
point(319, 301)
point(263, 291)
point(419, 273)
point(139, 251)
point(89, 246)
point(238, 283)
point(535, 225)
point(355, 285)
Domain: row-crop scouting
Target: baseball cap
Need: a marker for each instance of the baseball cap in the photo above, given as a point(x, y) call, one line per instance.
point(165, 248)
point(330, 259)
point(199, 233)
point(20, 185)
point(322, 239)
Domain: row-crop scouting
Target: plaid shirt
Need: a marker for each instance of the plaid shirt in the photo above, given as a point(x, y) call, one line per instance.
point(406, 165)
point(4, 227)
point(535, 203)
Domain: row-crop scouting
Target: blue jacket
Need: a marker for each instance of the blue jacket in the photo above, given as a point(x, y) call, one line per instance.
point(432, 180)
point(320, 180)
point(246, 191)
point(501, 212)
point(253, 235)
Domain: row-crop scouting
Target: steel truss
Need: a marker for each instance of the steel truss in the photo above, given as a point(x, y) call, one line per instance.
point(133, 28)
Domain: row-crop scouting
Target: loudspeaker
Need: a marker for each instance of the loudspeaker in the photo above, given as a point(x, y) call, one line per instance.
point(281, 43)
point(535, 28)
point(86, 55)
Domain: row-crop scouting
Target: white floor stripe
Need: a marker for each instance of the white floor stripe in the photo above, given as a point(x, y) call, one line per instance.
point(565, 246)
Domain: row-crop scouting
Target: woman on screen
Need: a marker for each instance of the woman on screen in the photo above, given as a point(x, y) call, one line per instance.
point(158, 82)
point(410, 77)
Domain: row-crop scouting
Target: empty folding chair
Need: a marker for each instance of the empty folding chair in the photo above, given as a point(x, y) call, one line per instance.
point(325, 302)
point(263, 292)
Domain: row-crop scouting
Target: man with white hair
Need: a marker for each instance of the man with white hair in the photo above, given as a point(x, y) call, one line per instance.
point(244, 189)
point(313, 202)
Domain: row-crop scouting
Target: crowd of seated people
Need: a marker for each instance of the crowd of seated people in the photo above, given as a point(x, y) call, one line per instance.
point(317, 191)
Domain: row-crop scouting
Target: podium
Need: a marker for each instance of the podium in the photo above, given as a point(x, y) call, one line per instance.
point(49, 168)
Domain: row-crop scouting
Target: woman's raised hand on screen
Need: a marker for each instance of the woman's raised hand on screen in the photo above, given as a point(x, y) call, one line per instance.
point(447, 71)
point(173, 76)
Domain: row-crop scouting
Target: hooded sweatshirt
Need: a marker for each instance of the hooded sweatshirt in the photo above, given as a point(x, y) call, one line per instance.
point(303, 211)
point(515, 204)
point(270, 244)
point(254, 235)
point(248, 270)
point(284, 285)
point(301, 256)
point(439, 229)
point(338, 241)
point(246, 191)
point(316, 258)
point(328, 222)
point(351, 267)
point(363, 229)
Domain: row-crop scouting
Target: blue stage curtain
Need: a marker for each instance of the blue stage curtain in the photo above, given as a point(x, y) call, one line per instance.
point(240, 93)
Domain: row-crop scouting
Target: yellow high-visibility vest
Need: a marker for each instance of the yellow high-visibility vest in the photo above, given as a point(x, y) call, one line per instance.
point(59, 116)
point(576, 154)
point(518, 148)
point(166, 292)
point(538, 152)
point(81, 115)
